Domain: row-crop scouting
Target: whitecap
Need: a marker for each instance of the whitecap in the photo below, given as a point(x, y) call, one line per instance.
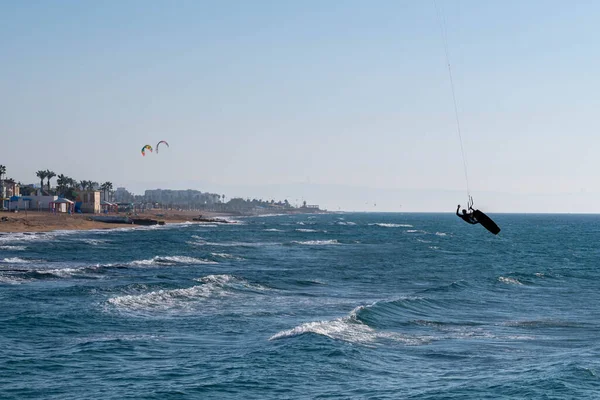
point(306, 230)
point(510, 281)
point(213, 286)
point(317, 242)
point(349, 329)
point(389, 225)
point(14, 260)
point(171, 260)
point(13, 248)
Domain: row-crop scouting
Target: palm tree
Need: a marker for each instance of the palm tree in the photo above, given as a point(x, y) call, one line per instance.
point(2, 171)
point(49, 175)
point(109, 187)
point(61, 184)
point(42, 175)
point(106, 187)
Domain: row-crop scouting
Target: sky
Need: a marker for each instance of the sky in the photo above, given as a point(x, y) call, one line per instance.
point(345, 104)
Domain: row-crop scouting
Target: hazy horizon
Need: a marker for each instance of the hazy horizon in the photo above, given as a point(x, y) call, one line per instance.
point(343, 104)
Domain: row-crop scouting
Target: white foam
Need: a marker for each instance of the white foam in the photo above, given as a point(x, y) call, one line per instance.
point(93, 242)
point(348, 329)
point(213, 286)
point(273, 230)
point(441, 234)
point(11, 280)
point(306, 230)
point(510, 281)
point(317, 242)
point(233, 244)
point(161, 299)
point(63, 272)
point(387, 225)
point(171, 260)
point(14, 260)
point(346, 223)
point(13, 248)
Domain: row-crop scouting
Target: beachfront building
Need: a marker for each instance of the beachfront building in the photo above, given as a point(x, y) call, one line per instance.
point(30, 202)
point(8, 189)
point(61, 205)
point(108, 207)
point(88, 201)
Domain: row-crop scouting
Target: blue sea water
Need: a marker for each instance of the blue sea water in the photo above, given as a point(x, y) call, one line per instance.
point(369, 306)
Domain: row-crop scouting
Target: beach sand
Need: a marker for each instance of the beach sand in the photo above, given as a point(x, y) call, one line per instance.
point(40, 221)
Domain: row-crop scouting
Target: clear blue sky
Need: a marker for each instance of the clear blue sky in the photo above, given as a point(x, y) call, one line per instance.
point(260, 97)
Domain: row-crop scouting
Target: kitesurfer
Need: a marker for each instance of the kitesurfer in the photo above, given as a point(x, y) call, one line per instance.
point(467, 216)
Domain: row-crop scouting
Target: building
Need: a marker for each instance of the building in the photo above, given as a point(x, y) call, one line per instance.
point(88, 201)
point(31, 202)
point(8, 188)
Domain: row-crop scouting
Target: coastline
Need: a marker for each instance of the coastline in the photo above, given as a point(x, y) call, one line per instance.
point(43, 221)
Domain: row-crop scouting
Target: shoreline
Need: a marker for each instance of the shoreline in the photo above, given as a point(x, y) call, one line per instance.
point(43, 221)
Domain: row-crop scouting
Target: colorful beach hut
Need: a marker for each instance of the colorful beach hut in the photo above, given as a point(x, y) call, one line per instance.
point(108, 207)
point(61, 205)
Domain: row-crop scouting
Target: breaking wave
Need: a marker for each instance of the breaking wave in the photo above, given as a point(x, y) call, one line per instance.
point(509, 281)
point(350, 329)
point(211, 287)
point(13, 248)
point(14, 260)
point(317, 242)
point(386, 225)
point(171, 260)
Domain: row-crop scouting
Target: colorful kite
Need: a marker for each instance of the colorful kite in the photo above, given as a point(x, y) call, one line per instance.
point(146, 147)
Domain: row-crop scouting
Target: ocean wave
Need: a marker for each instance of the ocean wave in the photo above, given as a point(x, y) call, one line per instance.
point(227, 256)
point(93, 242)
point(14, 260)
point(389, 225)
point(65, 272)
point(233, 244)
point(349, 329)
point(317, 242)
point(441, 234)
point(11, 280)
point(171, 260)
point(345, 223)
point(509, 281)
point(13, 248)
point(273, 230)
point(306, 230)
point(33, 236)
point(451, 287)
point(213, 286)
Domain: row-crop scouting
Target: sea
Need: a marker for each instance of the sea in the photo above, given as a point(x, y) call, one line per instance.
point(327, 306)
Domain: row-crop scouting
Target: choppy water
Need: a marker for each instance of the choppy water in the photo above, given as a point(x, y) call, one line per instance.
point(379, 306)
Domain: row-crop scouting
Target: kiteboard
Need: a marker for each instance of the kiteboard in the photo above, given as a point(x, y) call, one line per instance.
point(486, 222)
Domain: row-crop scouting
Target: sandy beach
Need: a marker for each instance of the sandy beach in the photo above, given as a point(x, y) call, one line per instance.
point(36, 221)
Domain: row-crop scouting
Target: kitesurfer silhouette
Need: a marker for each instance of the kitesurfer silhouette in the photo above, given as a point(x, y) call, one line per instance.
point(477, 217)
point(467, 216)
